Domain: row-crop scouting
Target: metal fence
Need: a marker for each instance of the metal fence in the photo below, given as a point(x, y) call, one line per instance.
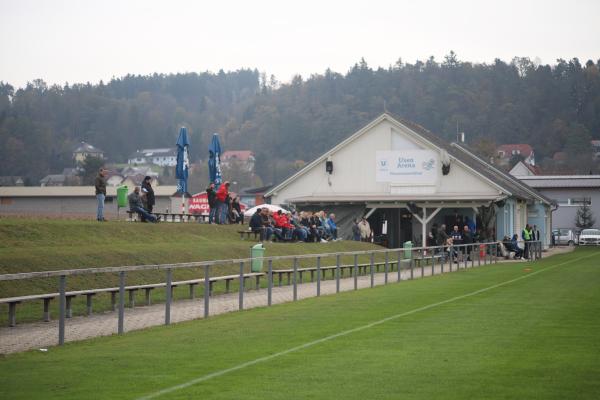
point(410, 262)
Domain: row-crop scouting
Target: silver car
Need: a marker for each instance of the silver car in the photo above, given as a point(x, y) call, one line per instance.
point(589, 237)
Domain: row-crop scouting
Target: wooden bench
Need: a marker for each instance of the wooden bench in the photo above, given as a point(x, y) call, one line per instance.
point(249, 233)
point(131, 291)
point(362, 270)
point(170, 217)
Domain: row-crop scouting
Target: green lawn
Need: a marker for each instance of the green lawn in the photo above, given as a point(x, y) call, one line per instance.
point(530, 338)
point(50, 244)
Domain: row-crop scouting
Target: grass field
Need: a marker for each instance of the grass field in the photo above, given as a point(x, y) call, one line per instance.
point(507, 331)
point(47, 244)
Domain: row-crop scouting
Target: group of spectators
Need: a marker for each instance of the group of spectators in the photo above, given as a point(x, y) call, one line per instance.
point(293, 226)
point(223, 208)
point(528, 235)
point(141, 200)
point(438, 236)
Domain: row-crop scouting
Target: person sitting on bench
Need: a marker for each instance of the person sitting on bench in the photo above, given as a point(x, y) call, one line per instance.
point(256, 225)
point(135, 204)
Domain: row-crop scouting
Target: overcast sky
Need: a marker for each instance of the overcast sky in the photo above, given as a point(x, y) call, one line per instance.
point(77, 41)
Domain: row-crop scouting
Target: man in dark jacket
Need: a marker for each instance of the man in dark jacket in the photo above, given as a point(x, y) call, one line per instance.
point(468, 239)
point(100, 185)
point(149, 192)
point(256, 224)
point(212, 203)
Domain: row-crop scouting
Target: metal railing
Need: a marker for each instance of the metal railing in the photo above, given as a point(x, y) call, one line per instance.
point(405, 260)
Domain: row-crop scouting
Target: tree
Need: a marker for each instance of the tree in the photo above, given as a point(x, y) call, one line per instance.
point(584, 218)
point(89, 169)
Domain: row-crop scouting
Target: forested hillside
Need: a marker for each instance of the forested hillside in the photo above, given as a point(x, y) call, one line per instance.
point(552, 107)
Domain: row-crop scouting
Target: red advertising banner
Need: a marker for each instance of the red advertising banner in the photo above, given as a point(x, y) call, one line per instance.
point(199, 204)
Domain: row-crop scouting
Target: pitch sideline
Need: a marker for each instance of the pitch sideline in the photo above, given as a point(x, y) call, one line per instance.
point(347, 332)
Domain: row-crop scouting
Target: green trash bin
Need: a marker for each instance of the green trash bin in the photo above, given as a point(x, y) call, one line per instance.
point(257, 251)
point(407, 249)
point(122, 196)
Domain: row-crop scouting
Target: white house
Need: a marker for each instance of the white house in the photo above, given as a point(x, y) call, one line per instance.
point(162, 157)
point(405, 179)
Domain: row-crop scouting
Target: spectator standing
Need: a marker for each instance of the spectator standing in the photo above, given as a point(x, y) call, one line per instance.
point(236, 210)
point(527, 235)
point(211, 196)
point(456, 236)
point(442, 237)
point(365, 230)
point(221, 196)
point(100, 184)
point(468, 240)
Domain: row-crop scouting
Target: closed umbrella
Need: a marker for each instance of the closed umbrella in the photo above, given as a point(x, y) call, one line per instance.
point(183, 164)
point(214, 160)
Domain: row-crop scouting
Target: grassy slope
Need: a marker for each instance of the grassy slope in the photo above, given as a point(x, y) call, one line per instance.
point(533, 338)
point(44, 244)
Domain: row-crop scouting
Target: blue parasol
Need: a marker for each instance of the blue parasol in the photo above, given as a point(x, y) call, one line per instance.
point(183, 161)
point(214, 160)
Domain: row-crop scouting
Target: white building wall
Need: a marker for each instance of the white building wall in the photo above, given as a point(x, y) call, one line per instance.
point(354, 169)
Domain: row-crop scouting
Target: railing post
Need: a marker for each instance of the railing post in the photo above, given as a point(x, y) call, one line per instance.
point(62, 307)
point(295, 280)
point(318, 276)
point(386, 267)
point(372, 269)
point(399, 264)
point(412, 275)
point(472, 255)
point(451, 258)
point(355, 271)
point(241, 297)
point(270, 283)
point(169, 294)
point(337, 273)
point(206, 291)
point(422, 262)
point(478, 249)
point(442, 259)
point(121, 322)
point(432, 261)
point(495, 253)
point(465, 255)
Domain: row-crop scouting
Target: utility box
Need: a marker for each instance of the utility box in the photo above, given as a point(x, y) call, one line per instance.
point(407, 249)
point(257, 251)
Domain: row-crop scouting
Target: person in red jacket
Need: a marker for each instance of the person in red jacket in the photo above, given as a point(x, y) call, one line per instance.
point(221, 195)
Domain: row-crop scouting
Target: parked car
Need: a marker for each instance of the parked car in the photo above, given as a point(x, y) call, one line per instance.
point(589, 237)
point(564, 236)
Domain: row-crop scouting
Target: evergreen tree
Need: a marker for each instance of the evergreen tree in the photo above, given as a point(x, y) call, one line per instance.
point(584, 218)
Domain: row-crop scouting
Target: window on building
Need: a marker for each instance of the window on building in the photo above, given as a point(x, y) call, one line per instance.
point(574, 201)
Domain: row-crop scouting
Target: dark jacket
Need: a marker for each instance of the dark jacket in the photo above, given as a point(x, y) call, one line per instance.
point(467, 237)
point(256, 221)
point(100, 185)
point(212, 197)
point(147, 188)
point(135, 200)
point(441, 237)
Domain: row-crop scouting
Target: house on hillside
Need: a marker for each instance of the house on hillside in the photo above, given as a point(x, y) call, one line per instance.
point(595, 148)
point(523, 169)
point(506, 152)
point(163, 157)
point(404, 179)
point(243, 158)
point(12, 181)
point(53, 180)
point(84, 150)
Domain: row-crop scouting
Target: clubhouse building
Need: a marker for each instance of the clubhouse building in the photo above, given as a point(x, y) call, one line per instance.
point(405, 179)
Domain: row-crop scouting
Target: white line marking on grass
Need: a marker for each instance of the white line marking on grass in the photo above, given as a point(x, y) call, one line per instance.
point(347, 332)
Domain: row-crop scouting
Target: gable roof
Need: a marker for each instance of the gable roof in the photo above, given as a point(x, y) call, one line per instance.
point(497, 178)
point(520, 148)
point(241, 155)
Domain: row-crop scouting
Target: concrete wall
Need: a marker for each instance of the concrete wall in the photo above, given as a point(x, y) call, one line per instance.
point(67, 206)
point(564, 216)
